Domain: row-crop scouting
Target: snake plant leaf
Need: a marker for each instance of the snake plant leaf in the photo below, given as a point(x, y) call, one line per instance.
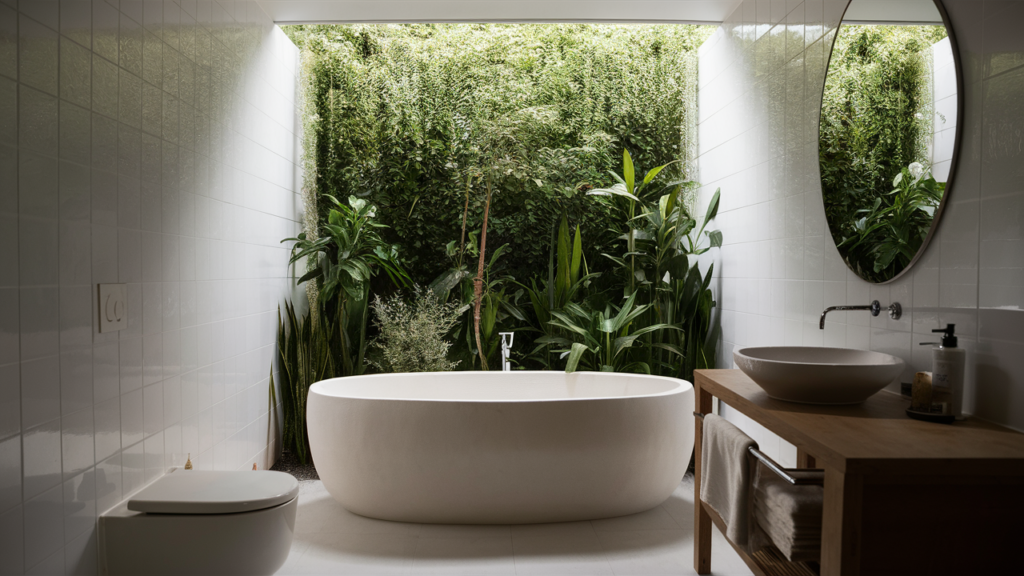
point(577, 258)
point(669, 347)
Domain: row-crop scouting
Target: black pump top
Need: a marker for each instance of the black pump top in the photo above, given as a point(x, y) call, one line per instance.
point(948, 337)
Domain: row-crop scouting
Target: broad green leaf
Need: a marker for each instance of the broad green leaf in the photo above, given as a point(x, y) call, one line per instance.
point(652, 173)
point(357, 204)
point(616, 190)
point(713, 207)
point(715, 236)
point(575, 353)
point(627, 171)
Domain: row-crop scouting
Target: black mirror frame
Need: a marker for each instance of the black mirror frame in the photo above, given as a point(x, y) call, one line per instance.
point(957, 136)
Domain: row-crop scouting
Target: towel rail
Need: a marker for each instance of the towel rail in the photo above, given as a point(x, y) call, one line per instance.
point(796, 477)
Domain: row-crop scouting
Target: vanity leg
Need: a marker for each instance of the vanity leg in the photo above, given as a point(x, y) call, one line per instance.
point(804, 460)
point(701, 519)
point(841, 524)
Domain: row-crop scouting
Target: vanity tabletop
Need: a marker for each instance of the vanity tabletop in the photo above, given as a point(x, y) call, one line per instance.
point(873, 437)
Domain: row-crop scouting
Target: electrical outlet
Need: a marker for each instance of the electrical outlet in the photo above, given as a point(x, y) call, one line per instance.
point(113, 307)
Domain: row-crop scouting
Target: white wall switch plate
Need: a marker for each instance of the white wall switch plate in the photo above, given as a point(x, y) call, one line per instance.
point(113, 307)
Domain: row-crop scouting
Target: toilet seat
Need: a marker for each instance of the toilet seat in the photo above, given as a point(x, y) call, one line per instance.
point(215, 492)
point(202, 522)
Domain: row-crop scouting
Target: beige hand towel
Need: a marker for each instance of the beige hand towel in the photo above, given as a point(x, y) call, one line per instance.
point(785, 515)
point(725, 475)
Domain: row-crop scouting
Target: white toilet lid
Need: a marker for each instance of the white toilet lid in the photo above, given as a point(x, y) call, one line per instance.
point(215, 492)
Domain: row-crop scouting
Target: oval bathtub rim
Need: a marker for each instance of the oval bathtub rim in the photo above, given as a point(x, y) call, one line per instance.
point(682, 387)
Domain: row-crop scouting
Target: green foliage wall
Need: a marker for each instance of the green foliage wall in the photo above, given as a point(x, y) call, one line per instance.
point(399, 114)
point(870, 123)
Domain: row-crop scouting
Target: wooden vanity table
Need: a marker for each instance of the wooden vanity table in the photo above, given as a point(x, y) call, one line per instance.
point(901, 496)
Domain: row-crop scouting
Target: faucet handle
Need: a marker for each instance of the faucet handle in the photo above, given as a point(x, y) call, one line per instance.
point(511, 337)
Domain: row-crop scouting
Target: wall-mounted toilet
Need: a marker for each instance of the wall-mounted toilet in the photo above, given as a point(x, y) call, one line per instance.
point(202, 522)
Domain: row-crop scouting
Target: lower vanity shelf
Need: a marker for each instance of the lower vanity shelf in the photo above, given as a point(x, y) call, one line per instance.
point(901, 496)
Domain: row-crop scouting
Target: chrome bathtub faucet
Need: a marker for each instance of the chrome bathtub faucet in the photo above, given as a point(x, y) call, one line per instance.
point(895, 311)
point(506, 350)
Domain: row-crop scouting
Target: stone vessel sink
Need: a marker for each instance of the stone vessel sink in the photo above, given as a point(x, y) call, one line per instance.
point(812, 375)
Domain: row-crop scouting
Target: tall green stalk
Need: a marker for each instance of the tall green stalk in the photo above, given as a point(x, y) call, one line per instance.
point(304, 354)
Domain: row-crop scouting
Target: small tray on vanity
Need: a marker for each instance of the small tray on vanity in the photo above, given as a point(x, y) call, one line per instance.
point(931, 417)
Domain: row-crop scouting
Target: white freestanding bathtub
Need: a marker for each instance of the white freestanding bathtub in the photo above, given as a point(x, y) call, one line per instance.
point(500, 447)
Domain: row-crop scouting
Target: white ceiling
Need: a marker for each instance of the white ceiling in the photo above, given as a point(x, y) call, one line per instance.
point(311, 11)
point(704, 11)
point(893, 11)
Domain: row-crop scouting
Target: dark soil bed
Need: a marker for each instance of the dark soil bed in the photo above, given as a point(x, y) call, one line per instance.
point(289, 463)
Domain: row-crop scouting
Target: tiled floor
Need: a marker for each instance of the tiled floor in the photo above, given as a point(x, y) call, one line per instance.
point(330, 540)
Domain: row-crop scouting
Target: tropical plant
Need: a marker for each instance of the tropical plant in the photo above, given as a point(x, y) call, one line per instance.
point(398, 112)
point(567, 281)
point(502, 153)
point(497, 304)
point(662, 241)
point(633, 201)
point(412, 336)
point(304, 357)
point(885, 237)
point(680, 294)
point(347, 254)
point(599, 339)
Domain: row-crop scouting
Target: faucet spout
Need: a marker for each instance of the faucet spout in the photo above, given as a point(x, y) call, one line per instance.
point(506, 350)
point(874, 307)
point(895, 311)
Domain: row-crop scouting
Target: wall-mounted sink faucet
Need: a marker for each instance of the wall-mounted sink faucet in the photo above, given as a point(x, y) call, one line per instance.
point(895, 311)
point(506, 350)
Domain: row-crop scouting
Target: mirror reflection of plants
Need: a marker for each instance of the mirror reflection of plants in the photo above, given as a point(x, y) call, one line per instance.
point(412, 336)
point(877, 117)
point(885, 237)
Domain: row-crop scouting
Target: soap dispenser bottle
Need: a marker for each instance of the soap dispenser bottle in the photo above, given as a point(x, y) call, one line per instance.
point(948, 365)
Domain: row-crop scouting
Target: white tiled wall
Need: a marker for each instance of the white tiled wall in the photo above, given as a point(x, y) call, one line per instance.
point(761, 76)
point(944, 104)
point(152, 144)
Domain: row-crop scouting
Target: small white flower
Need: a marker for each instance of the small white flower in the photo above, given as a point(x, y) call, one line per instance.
point(916, 169)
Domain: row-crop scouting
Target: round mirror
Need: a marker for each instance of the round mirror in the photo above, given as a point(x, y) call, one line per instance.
point(888, 133)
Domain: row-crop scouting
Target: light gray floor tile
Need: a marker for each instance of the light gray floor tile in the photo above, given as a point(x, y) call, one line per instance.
point(654, 519)
point(482, 555)
point(331, 540)
point(558, 549)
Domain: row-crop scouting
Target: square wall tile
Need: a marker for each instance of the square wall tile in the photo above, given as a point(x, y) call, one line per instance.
point(10, 473)
point(75, 73)
point(41, 458)
point(37, 55)
point(44, 525)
